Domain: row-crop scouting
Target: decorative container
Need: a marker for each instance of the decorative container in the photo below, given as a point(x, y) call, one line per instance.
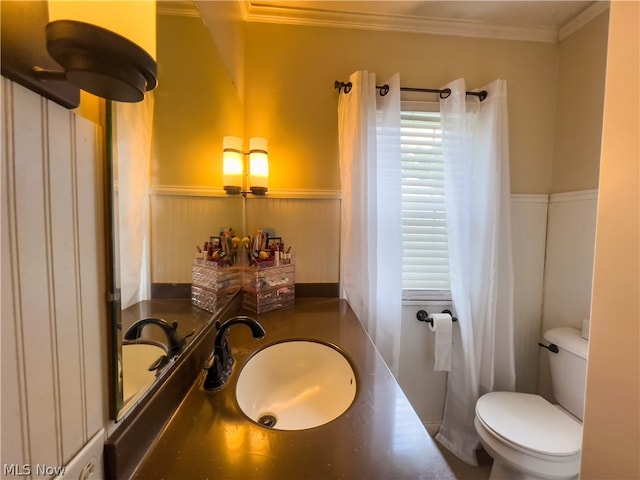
point(268, 288)
point(213, 284)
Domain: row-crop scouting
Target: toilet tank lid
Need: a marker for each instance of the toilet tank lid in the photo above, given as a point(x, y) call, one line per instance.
point(569, 339)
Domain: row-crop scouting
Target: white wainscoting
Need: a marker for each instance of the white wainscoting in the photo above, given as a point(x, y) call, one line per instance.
point(568, 272)
point(53, 281)
point(311, 226)
point(179, 222)
point(184, 217)
point(426, 388)
point(528, 234)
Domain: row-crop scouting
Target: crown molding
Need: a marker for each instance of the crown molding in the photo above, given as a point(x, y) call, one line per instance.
point(584, 17)
point(177, 8)
point(245, 6)
point(255, 11)
point(263, 13)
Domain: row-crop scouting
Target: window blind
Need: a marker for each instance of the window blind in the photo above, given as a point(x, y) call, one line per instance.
point(425, 258)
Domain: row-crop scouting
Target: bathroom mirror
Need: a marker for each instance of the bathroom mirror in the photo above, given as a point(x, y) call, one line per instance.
point(172, 147)
point(201, 108)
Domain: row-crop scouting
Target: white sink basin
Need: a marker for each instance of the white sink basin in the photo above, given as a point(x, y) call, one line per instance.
point(296, 385)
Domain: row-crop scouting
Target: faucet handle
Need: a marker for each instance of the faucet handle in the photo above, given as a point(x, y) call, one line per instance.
point(160, 362)
point(188, 335)
point(216, 375)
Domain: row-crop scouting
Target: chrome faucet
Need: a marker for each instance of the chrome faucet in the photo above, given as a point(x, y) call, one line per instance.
point(176, 344)
point(220, 364)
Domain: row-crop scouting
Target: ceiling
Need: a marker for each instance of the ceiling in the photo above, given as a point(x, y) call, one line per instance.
point(541, 20)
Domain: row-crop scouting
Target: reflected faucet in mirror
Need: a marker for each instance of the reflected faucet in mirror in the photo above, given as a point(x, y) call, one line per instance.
point(175, 343)
point(220, 363)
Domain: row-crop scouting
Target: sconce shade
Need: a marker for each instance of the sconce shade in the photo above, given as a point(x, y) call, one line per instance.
point(106, 48)
point(258, 166)
point(232, 165)
point(101, 62)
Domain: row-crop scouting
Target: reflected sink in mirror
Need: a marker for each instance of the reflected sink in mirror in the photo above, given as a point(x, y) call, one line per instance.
point(295, 385)
point(137, 359)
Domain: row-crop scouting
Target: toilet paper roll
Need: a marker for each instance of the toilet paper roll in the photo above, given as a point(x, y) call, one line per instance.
point(442, 326)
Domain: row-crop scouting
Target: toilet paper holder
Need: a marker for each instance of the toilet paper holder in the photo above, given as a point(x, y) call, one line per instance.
point(424, 316)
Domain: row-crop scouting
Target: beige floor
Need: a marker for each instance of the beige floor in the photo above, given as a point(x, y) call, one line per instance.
point(464, 471)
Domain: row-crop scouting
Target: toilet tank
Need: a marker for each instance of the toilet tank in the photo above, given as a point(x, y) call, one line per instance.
point(568, 368)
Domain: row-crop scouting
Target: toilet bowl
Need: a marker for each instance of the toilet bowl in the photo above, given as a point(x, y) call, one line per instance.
point(529, 437)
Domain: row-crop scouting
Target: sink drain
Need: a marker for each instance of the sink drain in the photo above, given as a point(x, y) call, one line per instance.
point(267, 420)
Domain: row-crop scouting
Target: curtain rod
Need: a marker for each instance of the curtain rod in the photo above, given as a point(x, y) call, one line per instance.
point(384, 89)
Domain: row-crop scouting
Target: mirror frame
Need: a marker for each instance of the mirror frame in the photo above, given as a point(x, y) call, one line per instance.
point(114, 313)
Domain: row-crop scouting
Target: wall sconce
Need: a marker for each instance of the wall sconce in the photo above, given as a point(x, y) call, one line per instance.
point(106, 48)
point(58, 47)
point(232, 165)
point(258, 165)
point(234, 171)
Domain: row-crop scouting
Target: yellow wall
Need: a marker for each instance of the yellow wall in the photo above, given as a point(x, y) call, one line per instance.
point(196, 104)
point(92, 108)
point(582, 58)
point(611, 441)
point(226, 27)
point(131, 19)
point(555, 98)
point(290, 97)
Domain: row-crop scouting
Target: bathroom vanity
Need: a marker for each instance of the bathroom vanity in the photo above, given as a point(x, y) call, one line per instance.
point(379, 437)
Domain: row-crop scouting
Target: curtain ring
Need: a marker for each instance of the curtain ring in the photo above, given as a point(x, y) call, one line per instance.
point(445, 93)
point(384, 89)
point(341, 85)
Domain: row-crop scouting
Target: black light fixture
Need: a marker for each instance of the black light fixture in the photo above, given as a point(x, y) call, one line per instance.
point(100, 61)
point(56, 57)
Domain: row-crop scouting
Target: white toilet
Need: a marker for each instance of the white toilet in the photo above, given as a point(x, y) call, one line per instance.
point(530, 438)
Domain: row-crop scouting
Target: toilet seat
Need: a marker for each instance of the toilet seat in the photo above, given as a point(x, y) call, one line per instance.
point(530, 423)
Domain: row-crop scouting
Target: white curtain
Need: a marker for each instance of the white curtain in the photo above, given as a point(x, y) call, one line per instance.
point(132, 128)
point(371, 236)
point(477, 192)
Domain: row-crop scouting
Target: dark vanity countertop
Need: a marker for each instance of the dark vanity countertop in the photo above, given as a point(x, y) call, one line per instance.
point(379, 437)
